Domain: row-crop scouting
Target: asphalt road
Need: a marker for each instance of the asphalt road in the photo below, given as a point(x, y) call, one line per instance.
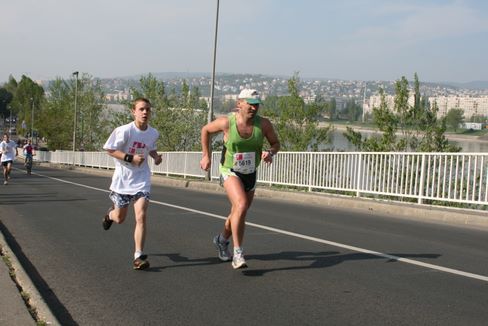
point(308, 265)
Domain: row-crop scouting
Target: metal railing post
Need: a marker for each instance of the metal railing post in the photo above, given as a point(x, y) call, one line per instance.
point(422, 177)
point(360, 170)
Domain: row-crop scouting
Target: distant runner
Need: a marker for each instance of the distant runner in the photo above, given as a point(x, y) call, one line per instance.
point(8, 149)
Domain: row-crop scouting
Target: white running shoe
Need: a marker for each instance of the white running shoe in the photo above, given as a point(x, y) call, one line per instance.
point(5, 182)
point(222, 249)
point(238, 261)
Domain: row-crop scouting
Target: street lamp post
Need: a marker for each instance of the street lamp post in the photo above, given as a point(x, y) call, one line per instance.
point(32, 121)
point(74, 120)
point(212, 87)
point(10, 121)
point(364, 100)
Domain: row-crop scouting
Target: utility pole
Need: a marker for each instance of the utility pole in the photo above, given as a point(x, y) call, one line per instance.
point(74, 120)
point(212, 87)
point(364, 98)
point(32, 121)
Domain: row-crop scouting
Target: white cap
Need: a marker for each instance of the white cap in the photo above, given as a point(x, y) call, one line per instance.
point(250, 95)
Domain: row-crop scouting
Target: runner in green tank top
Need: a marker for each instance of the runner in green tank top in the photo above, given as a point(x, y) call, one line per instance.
point(244, 133)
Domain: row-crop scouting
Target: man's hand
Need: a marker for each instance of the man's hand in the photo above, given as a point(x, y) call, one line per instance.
point(267, 157)
point(205, 163)
point(158, 159)
point(138, 160)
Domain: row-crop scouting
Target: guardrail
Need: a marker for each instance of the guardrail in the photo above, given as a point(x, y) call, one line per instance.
point(435, 178)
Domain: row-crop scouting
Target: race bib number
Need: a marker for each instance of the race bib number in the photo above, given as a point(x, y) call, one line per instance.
point(245, 163)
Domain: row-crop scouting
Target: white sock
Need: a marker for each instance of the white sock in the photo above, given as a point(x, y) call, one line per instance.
point(137, 254)
point(238, 251)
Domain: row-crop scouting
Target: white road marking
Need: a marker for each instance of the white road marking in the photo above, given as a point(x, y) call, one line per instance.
point(306, 237)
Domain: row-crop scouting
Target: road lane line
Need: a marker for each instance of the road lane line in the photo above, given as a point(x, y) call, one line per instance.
point(305, 237)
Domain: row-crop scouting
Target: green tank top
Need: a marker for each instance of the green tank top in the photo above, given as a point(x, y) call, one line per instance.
point(238, 151)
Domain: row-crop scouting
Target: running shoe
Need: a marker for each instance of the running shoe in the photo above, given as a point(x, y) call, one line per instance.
point(106, 221)
point(222, 249)
point(238, 261)
point(5, 182)
point(141, 262)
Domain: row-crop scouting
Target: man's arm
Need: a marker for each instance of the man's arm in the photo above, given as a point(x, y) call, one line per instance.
point(218, 125)
point(157, 158)
point(133, 159)
point(273, 141)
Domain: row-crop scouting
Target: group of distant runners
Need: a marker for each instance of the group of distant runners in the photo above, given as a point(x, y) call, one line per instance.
point(8, 152)
point(244, 133)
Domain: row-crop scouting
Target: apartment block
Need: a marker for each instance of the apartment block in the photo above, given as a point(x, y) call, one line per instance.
point(470, 105)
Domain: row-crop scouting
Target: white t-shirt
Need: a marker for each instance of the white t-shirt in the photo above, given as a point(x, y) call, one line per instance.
point(129, 179)
point(8, 150)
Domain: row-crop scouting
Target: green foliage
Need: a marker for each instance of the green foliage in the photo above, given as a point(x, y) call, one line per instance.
point(406, 128)
point(353, 111)
point(28, 98)
point(454, 118)
point(178, 116)
point(5, 99)
point(296, 123)
point(57, 120)
point(478, 118)
point(332, 109)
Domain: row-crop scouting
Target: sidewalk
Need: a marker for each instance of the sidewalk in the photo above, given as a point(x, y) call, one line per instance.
point(13, 310)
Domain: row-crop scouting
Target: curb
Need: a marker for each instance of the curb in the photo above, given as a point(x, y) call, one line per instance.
point(44, 313)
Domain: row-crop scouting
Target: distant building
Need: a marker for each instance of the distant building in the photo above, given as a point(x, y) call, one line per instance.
point(470, 105)
point(473, 125)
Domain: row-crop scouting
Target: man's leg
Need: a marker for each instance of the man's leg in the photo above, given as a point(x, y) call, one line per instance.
point(5, 173)
point(118, 211)
point(140, 209)
point(118, 214)
point(240, 201)
point(9, 169)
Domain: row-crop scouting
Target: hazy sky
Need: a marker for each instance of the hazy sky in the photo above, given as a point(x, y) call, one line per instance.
point(441, 40)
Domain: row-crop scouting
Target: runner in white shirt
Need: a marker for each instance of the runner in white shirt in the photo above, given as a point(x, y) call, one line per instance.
point(8, 150)
point(130, 145)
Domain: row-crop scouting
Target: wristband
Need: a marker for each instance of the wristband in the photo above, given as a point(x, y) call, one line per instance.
point(270, 153)
point(128, 158)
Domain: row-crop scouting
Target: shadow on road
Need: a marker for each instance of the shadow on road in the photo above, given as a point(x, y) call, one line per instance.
point(25, 198)
point(184, 261)
point(322, 259)
point(57, 308)
point(319, 259)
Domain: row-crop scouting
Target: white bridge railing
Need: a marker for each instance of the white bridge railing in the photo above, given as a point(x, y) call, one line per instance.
point(424, 177)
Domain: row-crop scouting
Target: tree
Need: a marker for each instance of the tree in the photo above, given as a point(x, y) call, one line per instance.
point(57, 120)
point(478, 118)
point(353, 111)
point(454, 118)
point(387, 123)
point(332, 109)
point(28, 100)
point(5, 99)
point(178, 116)
point(295, 122)
point(406, 127)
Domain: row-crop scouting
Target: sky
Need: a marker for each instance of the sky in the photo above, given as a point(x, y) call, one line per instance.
point(440, 40)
